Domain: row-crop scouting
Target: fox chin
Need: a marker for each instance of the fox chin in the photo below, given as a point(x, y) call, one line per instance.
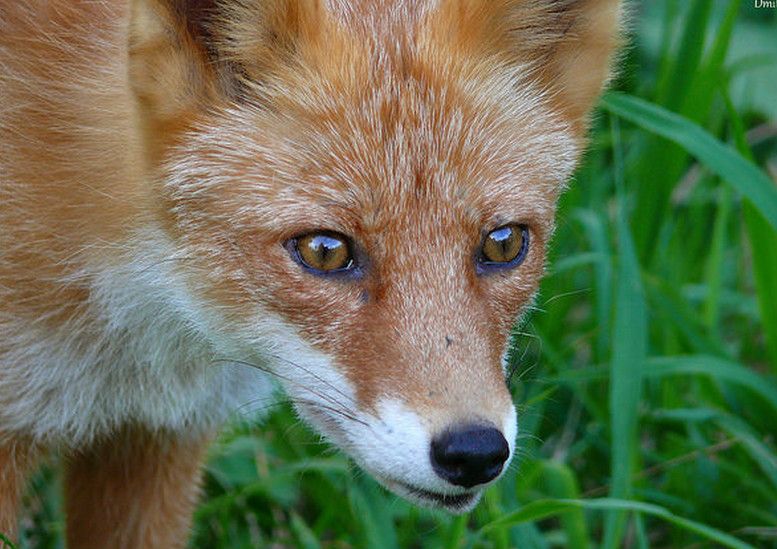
point(354, 198)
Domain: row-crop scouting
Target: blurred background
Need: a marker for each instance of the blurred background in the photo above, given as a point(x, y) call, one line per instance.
point(646, 379)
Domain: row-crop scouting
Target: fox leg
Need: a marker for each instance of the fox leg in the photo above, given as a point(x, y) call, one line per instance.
point(17, 458)
point(136, 489)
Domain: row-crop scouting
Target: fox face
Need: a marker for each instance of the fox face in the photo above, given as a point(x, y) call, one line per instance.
point(400, 250)
point(364, 195)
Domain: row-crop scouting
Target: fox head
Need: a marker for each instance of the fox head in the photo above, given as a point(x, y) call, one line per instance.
point(363, 192)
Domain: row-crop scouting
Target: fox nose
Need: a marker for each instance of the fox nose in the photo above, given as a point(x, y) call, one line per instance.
point(469, 455)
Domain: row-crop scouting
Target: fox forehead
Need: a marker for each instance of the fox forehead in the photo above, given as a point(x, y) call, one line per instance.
point(379, 103)
point(356, 159)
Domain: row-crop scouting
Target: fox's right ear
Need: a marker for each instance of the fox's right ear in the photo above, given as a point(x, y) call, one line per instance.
point(169, 67)
point(186, 55)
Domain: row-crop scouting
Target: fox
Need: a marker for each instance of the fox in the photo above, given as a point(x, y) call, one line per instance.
point(203, 200)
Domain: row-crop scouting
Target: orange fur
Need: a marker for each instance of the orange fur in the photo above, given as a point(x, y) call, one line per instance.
point(17, 458)
point(136, 490)
point(60, 157)
point(156, 156)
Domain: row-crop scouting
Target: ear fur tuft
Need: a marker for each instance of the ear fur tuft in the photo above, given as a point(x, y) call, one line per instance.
point(169, 69)
point(567, 44)
point(579, 64)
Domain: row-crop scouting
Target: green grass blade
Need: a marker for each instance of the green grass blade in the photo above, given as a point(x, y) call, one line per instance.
point(763, 456)
point(596, 230)
point(721, 370)
point(688, 56)
point(681, 317)
point(763, 240)
point(303, 535)
point(681, 74)
point(744, 176)
point(628, 356)
point(739, 429)
point(7, 543)
point(491, 505)
point(543, 509)
point(372, 516)
point(716, 262)
point(640, 534)
point(560, 482)
point(698, 97)
point(457, 532)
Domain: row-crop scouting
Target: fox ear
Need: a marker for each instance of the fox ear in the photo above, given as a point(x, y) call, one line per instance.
point(565, 46)
point(186, 54)
point(169, 67)
point(571, 44)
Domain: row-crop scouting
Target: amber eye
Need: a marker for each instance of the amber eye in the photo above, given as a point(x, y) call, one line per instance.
point(505, 246)
point(326, 252)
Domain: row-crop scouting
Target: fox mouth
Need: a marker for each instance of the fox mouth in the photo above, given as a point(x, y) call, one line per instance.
point(454, 503)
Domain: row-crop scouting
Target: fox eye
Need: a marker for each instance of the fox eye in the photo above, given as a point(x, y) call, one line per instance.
point(505, 246)
point(325, 252)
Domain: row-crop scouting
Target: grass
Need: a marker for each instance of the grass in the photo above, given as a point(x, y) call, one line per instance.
point(647, 384)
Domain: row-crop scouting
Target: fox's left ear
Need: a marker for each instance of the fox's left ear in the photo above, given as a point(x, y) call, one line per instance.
point(570, 44)
point(564, 46)
point(577, 61)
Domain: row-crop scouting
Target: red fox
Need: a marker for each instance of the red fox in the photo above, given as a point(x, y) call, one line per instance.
point(353, 197)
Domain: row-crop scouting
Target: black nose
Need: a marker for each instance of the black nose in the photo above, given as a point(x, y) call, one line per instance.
point(469, 455)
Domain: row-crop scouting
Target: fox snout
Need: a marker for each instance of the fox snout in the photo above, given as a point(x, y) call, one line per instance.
point(413, 348)
point(410, 381)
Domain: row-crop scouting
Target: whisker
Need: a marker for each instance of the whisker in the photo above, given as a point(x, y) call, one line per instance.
point(292, 363)
point(334, 406)
point(313, 374)
point(513, 366)
point(271, 372)
point(566, 294)
point(342, 413)
point(247, 407)
point(162, 261)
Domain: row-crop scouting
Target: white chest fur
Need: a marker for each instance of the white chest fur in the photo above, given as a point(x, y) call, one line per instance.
point(137, 355)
